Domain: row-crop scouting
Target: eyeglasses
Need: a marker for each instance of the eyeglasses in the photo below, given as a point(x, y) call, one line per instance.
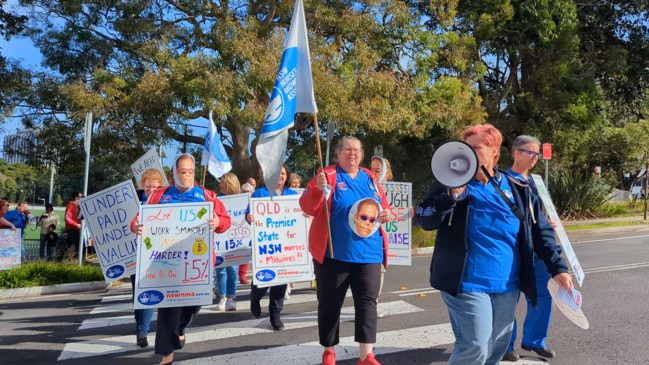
point(364, 217)
point(351, 150)
point(186, 171)
point(532, 154)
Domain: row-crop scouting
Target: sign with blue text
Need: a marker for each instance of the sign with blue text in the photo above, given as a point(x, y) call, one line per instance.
point(234, 246)
point(149, 160)
point(280, 250)
point(10, 248)
point(399, 226)
point(108, 215)
point(174, 259)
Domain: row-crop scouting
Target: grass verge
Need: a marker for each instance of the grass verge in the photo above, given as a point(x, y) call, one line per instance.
point(42, 273)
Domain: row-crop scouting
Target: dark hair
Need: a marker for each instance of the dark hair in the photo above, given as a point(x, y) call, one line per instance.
point(75, 195)
point(53, 226)
point(49, 206)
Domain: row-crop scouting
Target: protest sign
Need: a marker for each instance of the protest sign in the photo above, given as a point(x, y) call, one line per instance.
point(399, 227)
point(561, 233)
point(107, 216)
point(174, 258)
point(233, 247)
point(280, 250)
point(149, 160)
point(10, 243)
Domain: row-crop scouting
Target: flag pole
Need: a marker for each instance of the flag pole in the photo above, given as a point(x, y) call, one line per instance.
point(204, 173)
point(326, 204)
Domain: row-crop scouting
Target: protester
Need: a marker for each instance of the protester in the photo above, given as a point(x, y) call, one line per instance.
point(277, 292)
point(4, 208)
point(253, 182)
point(46, 219)
point(525, 151)
point(172, 322)
point(295, 182)
point(347, 260)
point(243, 268)
point(227, 277)
point(51, 238)
point(72, 225)
point(487, 232)
point(17, 219)
point(150, 180)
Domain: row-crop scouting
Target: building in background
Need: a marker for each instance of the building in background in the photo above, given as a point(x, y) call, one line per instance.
point(18, 147)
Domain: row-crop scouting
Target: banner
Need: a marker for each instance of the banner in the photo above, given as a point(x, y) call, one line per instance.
point(10, 243)
point(234, 246)
point(561, 233)
point(108, 215)
point(399, 228)
point(280, 249)
point(214, 155)
point(149, 160)
point(174, 262)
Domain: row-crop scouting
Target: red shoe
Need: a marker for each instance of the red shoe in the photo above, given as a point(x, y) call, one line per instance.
point(329, 357)
point(369, 360)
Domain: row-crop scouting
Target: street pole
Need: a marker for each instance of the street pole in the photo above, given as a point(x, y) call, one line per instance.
point(52, 172)
point(86, 144)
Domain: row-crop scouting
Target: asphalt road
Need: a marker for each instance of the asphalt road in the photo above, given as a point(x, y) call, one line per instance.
point(97, 327)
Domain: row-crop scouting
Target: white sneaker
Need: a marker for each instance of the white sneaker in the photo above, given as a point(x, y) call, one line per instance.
point(220, 306)
point(287, 294)
point(230, 305)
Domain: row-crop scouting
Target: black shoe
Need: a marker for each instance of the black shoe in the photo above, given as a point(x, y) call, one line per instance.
point(255, 306)
point(275, 321)
point(142, 340)
point(540, 351)
point(511, 356)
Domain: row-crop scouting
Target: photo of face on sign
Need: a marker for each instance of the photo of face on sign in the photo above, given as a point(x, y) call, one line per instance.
point(364, 217)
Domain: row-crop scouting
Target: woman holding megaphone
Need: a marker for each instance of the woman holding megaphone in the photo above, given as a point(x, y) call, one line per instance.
point(487, 233)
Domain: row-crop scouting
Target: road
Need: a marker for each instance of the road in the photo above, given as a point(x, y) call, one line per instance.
point(97, 327)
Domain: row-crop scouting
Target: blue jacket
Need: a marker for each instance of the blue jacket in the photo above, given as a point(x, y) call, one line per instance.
point(439, 211)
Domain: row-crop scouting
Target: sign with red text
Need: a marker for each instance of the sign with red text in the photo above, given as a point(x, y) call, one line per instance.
point(174, 259)
point(108, 215)
point(280, 250)
point(234, 246)
point(10, 243)
point(399, 227)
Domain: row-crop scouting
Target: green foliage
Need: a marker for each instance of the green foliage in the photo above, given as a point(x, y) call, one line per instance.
point(421, 238)
point(47, 273)
point(578, 194)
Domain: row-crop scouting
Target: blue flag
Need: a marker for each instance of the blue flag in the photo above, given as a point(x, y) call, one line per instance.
point(214, 156)
point(292, 93)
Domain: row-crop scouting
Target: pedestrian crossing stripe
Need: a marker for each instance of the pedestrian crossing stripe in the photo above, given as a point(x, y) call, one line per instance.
point(310, 353)
point(119, 344)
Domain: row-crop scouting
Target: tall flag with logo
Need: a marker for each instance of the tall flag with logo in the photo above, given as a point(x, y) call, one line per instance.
point(292, 93)
point(214, 156)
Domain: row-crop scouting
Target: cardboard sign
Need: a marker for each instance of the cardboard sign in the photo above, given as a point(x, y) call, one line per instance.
point(149, 160)
point(399, 228)
point(10, 243)
point(174, 260)
point(561, 233)
point(280, 249)
point(234, 246)
point(107, 216)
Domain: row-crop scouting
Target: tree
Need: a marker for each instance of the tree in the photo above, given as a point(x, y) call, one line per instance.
point(147, 68)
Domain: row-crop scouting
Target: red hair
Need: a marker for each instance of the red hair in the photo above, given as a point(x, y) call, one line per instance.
point(488, 134)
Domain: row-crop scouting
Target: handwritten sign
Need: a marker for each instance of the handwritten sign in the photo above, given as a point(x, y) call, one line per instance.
point(280, 252)
point(149, 160)
point(107, 216)
point(234, 246)
point(399, 228)
point(561, 233)
point(10, 242)
point(174, 262)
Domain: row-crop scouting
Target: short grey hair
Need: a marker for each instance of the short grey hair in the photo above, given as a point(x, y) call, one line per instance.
point(341, 142)
point(523, 140)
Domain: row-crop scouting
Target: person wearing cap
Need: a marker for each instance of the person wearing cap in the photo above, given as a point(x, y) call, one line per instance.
point(172, 322)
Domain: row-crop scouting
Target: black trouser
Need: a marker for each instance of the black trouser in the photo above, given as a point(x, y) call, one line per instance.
point(276, 298)
point(172, 323)
point(333, 278)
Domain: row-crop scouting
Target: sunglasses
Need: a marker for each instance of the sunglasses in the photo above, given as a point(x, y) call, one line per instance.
point(364, 217)
point(532, 154)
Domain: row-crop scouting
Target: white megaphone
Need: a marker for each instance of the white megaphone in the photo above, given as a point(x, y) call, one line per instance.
point(454, 164)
